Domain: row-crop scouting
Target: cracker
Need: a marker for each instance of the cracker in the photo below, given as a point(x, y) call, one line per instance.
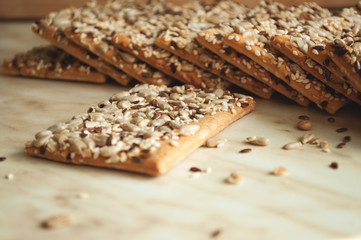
point(51, 62)
point(146, 130)
point(295, 47)
point(208, 61)
point(262, 53)
point(124, 61)
point(345, 53)
point(246, 64)
point(56, 37)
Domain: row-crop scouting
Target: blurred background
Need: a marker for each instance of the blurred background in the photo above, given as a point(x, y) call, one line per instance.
point(32, 9)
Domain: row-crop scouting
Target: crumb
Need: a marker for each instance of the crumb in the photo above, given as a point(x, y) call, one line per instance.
point(2, 159)
point(207, 170)
point(341, 145)
point(57, 221)
point(341, 130)
point(331, 120)
point(334, 165)
point(246, 150)
point(280, 171)
point(10, 176)
point(234, 178)
point(304, 117)
point(347, 139)
point(82, 195)
point(216, 233)
point(195, 169)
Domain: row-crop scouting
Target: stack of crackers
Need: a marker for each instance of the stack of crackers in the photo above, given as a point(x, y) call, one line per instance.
point(303, 52)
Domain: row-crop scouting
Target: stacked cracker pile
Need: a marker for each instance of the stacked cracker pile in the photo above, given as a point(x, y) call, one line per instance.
point(303, 52)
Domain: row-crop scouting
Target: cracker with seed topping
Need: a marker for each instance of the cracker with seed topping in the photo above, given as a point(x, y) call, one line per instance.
point(140, 40)
point(51, 29)
point(147, 129)
point(283, 68)
point(180, 39)
point(246, 64)
point(52, 63)
point(344, 49)
point(295, 44)
point(95, 22)
point(254, 41)
point(123, 60)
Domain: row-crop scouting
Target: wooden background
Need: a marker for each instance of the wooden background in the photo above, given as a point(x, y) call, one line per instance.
point(26, 9)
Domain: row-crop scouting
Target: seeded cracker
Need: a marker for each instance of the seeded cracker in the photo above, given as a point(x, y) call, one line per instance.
point(246, 64)
point(51, 29)
point(254, 40)
point(180, 39)
point(139, 39)
point(51, 62)
point(345, 49)
point(133, 130)
point(295, 46)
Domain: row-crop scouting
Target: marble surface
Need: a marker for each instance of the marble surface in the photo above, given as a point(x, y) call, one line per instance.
point(312, 202)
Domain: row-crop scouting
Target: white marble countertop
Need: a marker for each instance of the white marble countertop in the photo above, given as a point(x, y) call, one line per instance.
point(312, 202)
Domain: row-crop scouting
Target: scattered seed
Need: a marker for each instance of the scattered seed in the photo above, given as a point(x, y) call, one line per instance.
point(216, 143)
point(324, 144)
point(58, 221)
point(304, 117)
point(292, 146)
point(246, 150)
point(306, 138)
point(207, 170)
point(334, 165)
point(341, 145)
point(326, 150)
point(340, 130)
point(216, 233)
point(259, 141)
point(304, 125)
point(195, 169)
point(347, 139)
point(82, 195)
point(315, 141)
point(234, 178)
point(2, 159)
point(331, 120)
point(280, 171)
point(10, 176)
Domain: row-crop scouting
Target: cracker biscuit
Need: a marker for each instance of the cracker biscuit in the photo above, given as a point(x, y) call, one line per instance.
point(292, 46)
point(57, 38)
point(183, 70)
point(51, 62)
point(203, 58)
point(139, 39)
point(283, 68)
point(146, 130)
point(122, 60)
point(345, 53)
point(247, 65)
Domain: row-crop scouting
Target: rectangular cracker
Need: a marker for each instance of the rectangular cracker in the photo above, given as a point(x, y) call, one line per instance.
point(51, 63)
point(345, 53)
point(295, 48)
point(120, 59)
point(55, 36)
point(183, 70)
point(206, 60)
point(139, 39)
point(146, 130)
point(284, 69)
point(213, 40)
